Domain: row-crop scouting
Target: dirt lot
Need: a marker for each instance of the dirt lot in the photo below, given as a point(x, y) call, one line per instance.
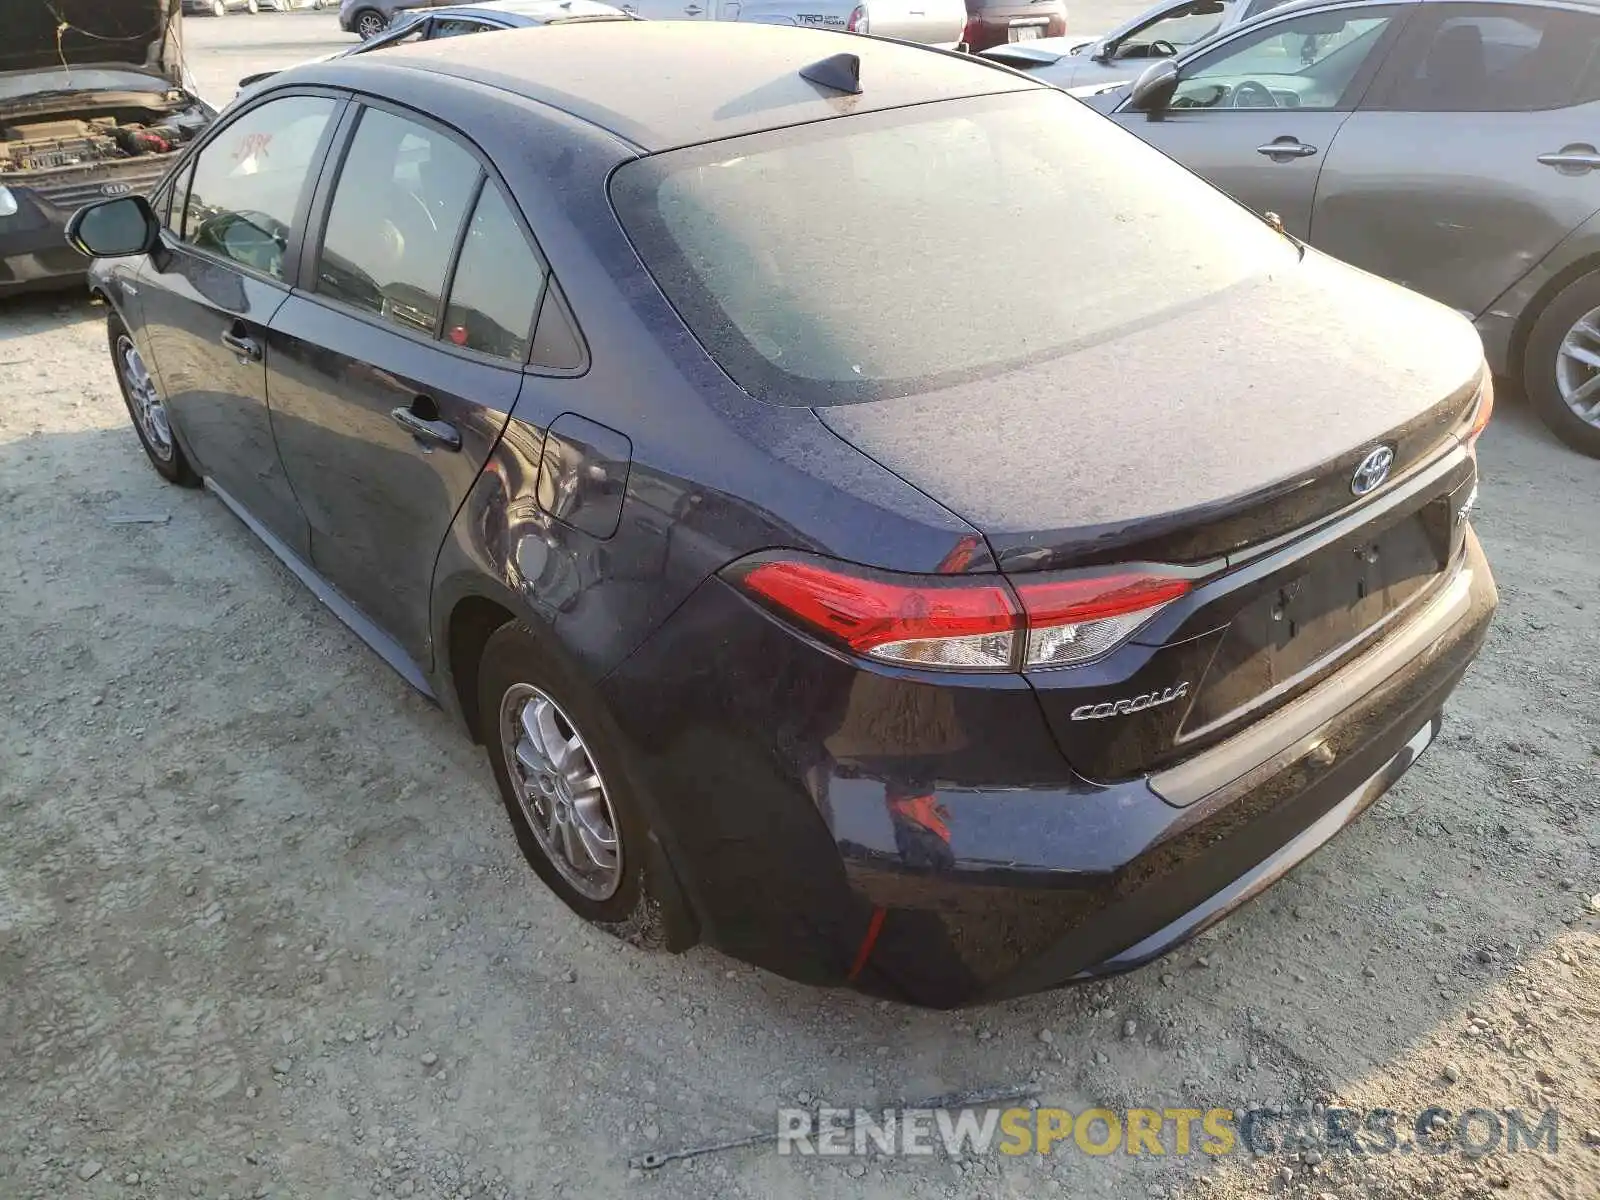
point(264, 931)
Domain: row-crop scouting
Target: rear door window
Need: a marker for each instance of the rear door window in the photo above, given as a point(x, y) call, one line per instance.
point(247, 183)
point(498, 284)
point(397, 210)
point(1493, 58)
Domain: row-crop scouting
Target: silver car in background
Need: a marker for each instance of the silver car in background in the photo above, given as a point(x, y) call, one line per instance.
point(1452, 146)
point(1164, 31)
point(930, 22)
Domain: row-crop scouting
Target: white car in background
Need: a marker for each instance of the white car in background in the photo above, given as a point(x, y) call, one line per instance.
point(1087, 59)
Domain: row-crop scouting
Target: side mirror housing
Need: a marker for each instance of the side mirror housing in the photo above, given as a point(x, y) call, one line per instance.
point(1152, 91)
point(114, 228)
point(1102, 52)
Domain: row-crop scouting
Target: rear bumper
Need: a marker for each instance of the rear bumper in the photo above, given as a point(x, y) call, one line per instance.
point(994, 29)
point(916, 875)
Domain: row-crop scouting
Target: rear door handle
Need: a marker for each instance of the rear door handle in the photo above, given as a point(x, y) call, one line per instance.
point(243, 345)
point(1286, 148)
point(694, 10)
point(1579, 158)
point(425, 429)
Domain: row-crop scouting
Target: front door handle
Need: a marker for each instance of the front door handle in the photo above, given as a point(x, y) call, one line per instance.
point(245, 347)
point(428, 430)
point(1578, 158)
point(1286, 149)
point(694, 10)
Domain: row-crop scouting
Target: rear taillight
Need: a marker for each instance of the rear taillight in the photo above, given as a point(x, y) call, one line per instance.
point(971, 30)
point(1071, 621)
point(962, 623)
point(858, 22)
point(1485, 409)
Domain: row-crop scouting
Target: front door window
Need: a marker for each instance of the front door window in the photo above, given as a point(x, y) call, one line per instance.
point(1308, 62)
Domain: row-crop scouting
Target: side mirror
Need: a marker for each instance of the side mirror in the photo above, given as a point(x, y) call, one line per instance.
point(114, 228)
point(1102, 52)
point(1152, 91)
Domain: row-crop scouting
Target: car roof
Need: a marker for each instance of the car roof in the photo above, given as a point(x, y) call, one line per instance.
point(535, 11)
point(660, 84)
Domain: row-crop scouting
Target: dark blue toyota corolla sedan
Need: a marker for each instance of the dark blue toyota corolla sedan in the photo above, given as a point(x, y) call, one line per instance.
point(949, 625)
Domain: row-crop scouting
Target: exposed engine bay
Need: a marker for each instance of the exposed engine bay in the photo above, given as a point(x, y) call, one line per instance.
point(53, 144)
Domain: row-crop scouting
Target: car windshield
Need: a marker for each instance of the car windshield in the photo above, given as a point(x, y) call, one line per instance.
point(901, 251)
point(64, 81)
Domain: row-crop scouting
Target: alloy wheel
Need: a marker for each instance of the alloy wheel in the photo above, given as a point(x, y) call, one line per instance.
point(370, 24)
point(1578, 368)
point(560, 792)
point(148, 410)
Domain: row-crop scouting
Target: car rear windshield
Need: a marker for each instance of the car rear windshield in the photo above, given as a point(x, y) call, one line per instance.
point(898, 252)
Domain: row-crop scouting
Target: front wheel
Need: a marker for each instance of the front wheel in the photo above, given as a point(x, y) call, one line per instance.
point(219, 8)
point(558, 761)
point(369, 23)
point(1561, 365)
point(146, 405)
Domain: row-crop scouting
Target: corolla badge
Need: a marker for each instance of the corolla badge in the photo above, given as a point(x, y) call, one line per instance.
point(115, 189)
point(1374, 469)
point(1133, 704)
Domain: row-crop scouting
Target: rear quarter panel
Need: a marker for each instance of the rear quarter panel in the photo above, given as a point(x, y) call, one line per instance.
point(714, 474)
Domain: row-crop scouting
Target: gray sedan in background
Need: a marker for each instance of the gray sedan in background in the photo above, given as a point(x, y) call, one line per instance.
point(1452, 146)
point(1164, 31)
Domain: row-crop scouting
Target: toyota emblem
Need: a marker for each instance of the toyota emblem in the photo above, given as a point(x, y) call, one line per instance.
point(1374, 469)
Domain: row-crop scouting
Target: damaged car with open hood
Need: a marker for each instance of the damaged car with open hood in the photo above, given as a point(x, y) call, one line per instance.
point(94, 102)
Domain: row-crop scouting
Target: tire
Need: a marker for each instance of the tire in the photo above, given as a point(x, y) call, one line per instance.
point(139, 392)
point(517, 671)
point(252, 7)
point(219, 8)
point(1549, 376)
point(368, 23)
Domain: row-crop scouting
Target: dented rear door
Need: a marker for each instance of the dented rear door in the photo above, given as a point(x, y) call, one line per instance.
point(1405, 192)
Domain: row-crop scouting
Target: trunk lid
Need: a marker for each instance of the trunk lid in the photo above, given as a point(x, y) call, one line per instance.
point(1191, 436)
point(140, 33)
point(1225, 438)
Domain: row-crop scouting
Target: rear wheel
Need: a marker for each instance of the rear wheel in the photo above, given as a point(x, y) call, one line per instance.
point(369, 23)
point(252, 7)
point(558, 762)
point(1561, 365)
point(219, 8)
point(142, 394)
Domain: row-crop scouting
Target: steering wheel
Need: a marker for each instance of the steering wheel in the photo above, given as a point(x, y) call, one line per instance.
point(1161, 48)
point(1259, 91)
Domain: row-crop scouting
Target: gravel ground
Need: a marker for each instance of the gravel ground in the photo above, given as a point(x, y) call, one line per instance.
point(264, 930)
